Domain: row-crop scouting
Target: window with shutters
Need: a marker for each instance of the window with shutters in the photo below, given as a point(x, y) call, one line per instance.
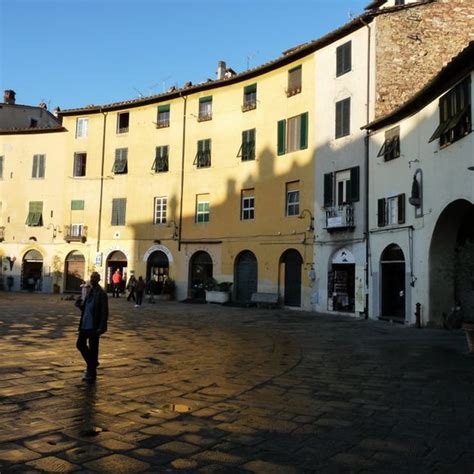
point(391, 211)
point(205, 109)
point(35, 214)
point(455, 120)
point(247, 148)
point(292, 205)
point(202, 208)
point(163, 119)
point(123, 121)
point(343, 58)
point(247, 204)
point(343, 118)
point(79, 164)
point(2, 161)
point(203, 155)
point(292, 134)
point(160, 165)
point(294, 81)
point(38, 166)
point(341, 187)
point(82, 127)
point(391, 146)
point(161, 207)
point(121, 161)
point(119, 206)
point(250, 98)
point(77, 205)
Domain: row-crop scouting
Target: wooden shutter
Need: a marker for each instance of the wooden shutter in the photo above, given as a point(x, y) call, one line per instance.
point(34, 169)
point(304, 131)
point(401, 208)
point(346, 116)
point(354, 186)
point(42, 160)
point(164, 108)
point(381, 211)
point(77, 205)
point(1, 167)
point(328, 189)
point(281, 137)
point(252, 88)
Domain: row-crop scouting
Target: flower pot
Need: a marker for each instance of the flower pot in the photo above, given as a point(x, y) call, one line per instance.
point(469, 330)
point(217, 296)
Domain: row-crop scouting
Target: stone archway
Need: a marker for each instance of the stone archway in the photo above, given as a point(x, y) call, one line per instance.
point(392, 263)
point(246, 276)
point(200, 270)
point(292, 264)
point(32, 271)
point(116, 260)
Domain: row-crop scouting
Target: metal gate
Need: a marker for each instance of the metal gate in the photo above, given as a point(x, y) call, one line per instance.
point(246, 276)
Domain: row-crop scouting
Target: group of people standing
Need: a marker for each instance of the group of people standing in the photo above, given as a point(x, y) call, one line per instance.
point(136, 287)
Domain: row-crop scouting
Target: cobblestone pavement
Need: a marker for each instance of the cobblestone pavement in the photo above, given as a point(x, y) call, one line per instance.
point(205, 388)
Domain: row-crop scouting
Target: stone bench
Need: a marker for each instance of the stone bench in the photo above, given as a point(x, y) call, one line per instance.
point(266, 299)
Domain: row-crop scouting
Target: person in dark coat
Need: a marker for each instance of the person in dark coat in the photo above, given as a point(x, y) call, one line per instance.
point(93, 323)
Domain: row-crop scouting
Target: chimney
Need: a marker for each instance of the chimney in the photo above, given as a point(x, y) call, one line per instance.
point(221, 68)
point(9, 97)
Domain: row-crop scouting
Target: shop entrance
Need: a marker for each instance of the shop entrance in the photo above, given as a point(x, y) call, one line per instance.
point(32, 271)
point(341, 282)
point(200, 270)
point(116, 260)
point(157, 270)
point(75, 270)
point(393, 283)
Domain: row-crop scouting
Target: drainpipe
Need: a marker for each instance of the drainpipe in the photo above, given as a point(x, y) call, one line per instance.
point(99, 224)
point(183, 153)
point(367, 155)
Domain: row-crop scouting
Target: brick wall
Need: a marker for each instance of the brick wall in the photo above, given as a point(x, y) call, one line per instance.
point(413, 44)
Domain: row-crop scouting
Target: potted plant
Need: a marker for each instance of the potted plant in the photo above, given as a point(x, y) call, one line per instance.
point(217, 292)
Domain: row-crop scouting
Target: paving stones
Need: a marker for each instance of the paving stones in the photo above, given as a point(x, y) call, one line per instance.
point(210, 389)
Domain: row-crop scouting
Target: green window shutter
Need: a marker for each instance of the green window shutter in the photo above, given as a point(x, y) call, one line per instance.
point(354, 186)
point(250, 89)
point(118, 211)
point(164, 108)
point(41, 166)
point(77, 205)
point(401, 208)
point(328, 189)
point(205, 99)
point(1, 167)
point(35, 214)
point(304, 131)
point(381, 218)
point(281, 137)
point(34, 167)
point(122, 209)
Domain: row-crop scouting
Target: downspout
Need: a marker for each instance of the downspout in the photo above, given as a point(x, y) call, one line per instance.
point(367, 154)
point(99, 224)
point(183, 154)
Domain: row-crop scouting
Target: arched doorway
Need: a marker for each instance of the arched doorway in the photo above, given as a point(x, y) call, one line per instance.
point(157, 269)
point(393, 283)
point(292, 262)
point(449, 254)
point(116, 260)
point(75, 271)
point(200, 269)
point(32, 271)
point(246, 276)
point(341, 282)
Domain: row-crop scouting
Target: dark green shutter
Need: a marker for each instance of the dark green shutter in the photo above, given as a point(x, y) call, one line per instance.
point(1, 167)
point(381, 221)
point(401, 208)
point(77, 205)
point(304, 131)
point(164, 108)
point(281, 137)
point(354, 186)
point(328, 189)
point(205, 99)
point(250, 89)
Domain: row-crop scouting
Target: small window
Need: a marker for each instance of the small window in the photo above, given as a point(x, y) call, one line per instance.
point(161, 205)
point(391, 211)
point(250, 98)
point(391, 146)
point(79, 164)
point(341, 187)
point(77, 205)
point(202, 208)
point(205, 109)
point(292, 199)
point(343, 58)
point(455, 121)
point(203, 155)
point(38, 166)
point(33, 123)
point(2, 160)
point(121, 161)
point(343, 118)
point(35, 214)
point(119, 206)
point(82, 127)
point(160, 164)
point(293, 134)
point(123, 122)
point(163, 119)
point(247, 204)
point(294, 81)
point(247, 149)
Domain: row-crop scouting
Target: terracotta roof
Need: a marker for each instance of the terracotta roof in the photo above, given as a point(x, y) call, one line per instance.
point(459, 67)
point(375, 4)
point(31, 131)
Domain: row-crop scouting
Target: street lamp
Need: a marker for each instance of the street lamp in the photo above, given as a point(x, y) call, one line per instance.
point(311, 221)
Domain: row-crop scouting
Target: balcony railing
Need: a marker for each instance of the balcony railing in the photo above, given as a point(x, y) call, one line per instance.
point(2, 234)
point(340, 217)
point(75, 233)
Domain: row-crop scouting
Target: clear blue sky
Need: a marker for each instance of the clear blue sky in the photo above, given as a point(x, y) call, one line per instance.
point(71, 53)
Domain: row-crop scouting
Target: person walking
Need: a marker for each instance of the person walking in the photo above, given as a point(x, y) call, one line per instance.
point(140, 289)
point(93, 323)
point(131, 286)
point(117, 283)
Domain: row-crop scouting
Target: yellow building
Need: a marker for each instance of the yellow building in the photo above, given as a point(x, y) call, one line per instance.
point(211, 180)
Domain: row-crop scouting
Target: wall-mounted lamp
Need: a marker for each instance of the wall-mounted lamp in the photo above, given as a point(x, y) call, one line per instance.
point(56, 229)
point(311, 221)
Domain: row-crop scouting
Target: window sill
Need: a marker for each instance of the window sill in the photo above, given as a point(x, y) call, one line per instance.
point(292, 92)
point(249, 106)
point(162, 125)
point(204, 118)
